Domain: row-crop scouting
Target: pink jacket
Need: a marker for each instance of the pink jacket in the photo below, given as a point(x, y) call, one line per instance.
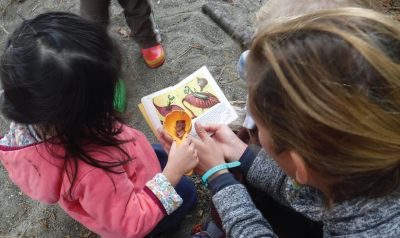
point(128, 209)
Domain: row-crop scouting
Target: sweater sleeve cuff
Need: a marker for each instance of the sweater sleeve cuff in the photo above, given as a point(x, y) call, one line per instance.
point(165, 193)
point(222, 181)
point(248, 158)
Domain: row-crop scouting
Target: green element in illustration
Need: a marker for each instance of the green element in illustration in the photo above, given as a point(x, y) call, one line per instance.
point(199, 99)
point(164, 111)
point(196, 94)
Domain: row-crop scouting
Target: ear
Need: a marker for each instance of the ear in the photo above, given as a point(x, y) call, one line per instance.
point(301, 171)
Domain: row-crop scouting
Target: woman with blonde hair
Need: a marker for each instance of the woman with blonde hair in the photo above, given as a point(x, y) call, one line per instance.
point(324, 90)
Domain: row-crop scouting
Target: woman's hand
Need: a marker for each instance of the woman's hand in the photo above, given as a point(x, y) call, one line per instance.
point(181, 160)
point(209, 153)
point(227, 141)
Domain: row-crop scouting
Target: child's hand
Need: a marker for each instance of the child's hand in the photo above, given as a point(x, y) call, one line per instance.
point(165, 139)
point(181, 160)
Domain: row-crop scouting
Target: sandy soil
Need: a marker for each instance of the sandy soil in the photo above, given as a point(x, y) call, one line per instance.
point(182, 23)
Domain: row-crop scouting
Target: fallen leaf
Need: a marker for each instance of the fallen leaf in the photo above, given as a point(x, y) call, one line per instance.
point(52, 216)
point(387, 3)
point(196, 46)
point(200, 213)
point(84, 235)
point(45, 225)
point(67, 236)
point(124, 34)
point(6, 182)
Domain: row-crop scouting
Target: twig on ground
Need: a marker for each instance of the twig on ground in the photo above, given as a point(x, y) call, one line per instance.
point(34, 8)
point(190, 47)
point(16, 223)
point(71, 6)
point(238, 103)
point(4, 29)
point(196, 46)
point(130, 70)
point(221, 72)
point(5, 8)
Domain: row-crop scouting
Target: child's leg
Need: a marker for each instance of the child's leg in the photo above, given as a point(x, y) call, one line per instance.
point(140, 19)
point(95, 10)
point(185, 189)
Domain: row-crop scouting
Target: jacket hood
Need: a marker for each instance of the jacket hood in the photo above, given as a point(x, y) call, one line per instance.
point(28, 167)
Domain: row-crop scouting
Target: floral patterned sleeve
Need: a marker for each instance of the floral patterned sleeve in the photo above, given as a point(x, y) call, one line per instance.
point(18, 136)
point(164, 191)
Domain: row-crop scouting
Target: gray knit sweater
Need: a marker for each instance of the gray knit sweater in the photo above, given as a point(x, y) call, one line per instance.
point(359, 217)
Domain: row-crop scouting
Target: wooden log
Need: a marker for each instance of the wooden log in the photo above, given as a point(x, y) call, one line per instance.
point(229, 24)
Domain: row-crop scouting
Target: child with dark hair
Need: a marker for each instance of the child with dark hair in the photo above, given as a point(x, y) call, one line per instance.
point(68, 144)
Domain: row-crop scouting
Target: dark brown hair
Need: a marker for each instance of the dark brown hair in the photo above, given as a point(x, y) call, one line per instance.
point(59, 73)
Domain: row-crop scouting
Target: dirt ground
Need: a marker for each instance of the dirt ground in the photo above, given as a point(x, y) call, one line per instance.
point(181, 23)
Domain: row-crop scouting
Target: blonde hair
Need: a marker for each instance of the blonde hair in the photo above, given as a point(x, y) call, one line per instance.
point(275, 9)
point(327, 85)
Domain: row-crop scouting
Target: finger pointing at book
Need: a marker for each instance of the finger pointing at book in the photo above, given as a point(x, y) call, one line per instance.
point(209, 153)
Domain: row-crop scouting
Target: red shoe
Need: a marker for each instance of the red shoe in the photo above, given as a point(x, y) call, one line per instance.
point(154, 56)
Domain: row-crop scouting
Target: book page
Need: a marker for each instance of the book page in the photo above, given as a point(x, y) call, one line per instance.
point(166, 103)
point(199, 95)
point(204, 100)
point(156, 106)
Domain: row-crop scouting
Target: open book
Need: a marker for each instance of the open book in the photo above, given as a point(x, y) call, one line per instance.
point(198, 95)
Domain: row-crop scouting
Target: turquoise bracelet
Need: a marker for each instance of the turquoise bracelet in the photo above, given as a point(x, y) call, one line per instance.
point(218, 168)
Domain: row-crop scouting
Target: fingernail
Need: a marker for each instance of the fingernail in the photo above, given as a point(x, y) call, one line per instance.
point(198, 123)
